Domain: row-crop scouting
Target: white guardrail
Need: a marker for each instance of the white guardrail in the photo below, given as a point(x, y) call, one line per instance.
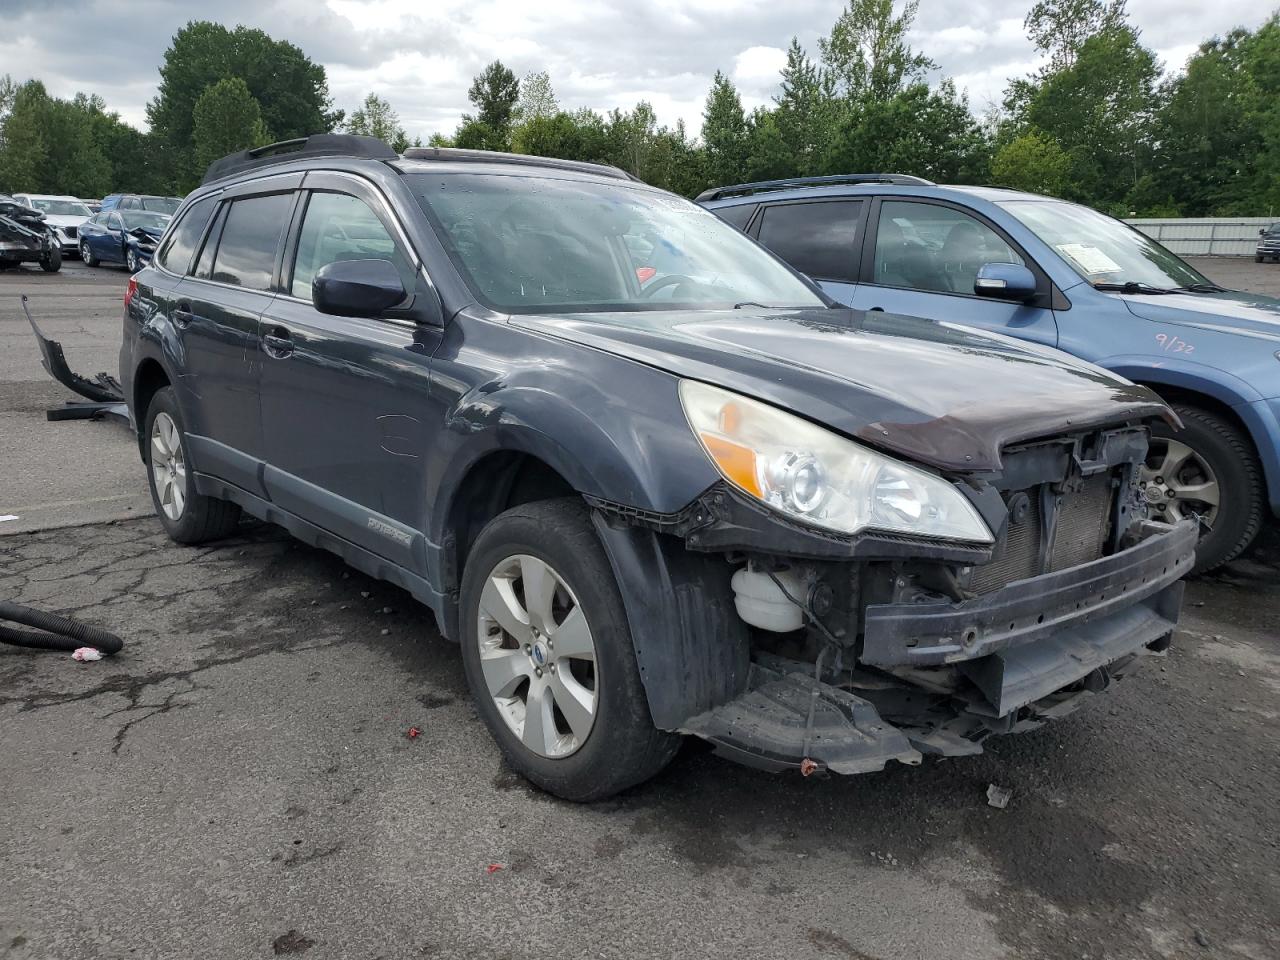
point(1206, 236)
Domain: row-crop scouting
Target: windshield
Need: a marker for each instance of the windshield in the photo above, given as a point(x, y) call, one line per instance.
point(1103, 250)
point(61, 208)
point(161, 204)
point(141, 218)
point(538, 244)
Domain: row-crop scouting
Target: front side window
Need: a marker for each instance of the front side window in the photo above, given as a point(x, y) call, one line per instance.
point(1101, 249)
point(924, 246)
point(815, 238)
point(246, 255)
point(176, 255)
point(337, 227)
point(540, 244)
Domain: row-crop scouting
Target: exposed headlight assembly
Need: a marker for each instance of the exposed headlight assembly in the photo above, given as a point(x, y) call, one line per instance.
point(817, 477)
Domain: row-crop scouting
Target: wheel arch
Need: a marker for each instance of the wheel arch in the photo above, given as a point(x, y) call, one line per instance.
point(149, 378)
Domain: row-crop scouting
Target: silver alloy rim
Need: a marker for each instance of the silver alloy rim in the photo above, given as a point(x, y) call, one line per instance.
point(131, 262)
point(538, 656)
point(1177, 482)
point(168, 466)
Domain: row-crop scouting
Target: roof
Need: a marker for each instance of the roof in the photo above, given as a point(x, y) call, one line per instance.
point(852, 188)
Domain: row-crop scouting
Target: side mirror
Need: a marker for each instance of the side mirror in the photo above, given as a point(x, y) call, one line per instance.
point(357, 288)
point(1005, 281)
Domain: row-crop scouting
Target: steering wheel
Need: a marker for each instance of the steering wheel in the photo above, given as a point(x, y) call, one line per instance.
point(670, 280)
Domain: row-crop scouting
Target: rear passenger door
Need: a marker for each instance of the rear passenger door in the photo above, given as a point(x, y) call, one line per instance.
point(921, 258)
point(216, 310)
point(345, 399)
point(820, 238)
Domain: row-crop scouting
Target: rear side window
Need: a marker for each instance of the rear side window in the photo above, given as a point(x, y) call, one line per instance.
point(176, 255)
point(738, 215)
point(818, 239)
point(246, 254)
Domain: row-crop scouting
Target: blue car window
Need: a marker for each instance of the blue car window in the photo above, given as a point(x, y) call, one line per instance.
point(815, 238)
point(925, 246)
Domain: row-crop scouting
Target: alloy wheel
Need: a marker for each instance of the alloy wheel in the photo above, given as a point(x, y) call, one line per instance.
point(131, 262)
point(1178, 483)
point(538, 656)
point(168, 466)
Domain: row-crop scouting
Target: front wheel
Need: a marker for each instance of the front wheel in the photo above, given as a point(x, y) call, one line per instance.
point(1208, 470)
point(549, 659)
point(86, 254)
point(51, 262)
point(131, 262)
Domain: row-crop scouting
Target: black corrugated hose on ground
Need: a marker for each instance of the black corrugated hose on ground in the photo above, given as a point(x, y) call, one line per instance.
point(52, 631)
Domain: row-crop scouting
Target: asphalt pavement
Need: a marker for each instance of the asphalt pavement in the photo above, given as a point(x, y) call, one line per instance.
point(284, 761)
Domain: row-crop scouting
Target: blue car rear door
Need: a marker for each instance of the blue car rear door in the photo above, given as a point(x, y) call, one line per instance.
point(822, 238)
point(920, 258)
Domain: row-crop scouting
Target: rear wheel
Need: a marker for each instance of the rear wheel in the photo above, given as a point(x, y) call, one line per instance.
point(187, 516)
point(549, 659)
point(1207, 470)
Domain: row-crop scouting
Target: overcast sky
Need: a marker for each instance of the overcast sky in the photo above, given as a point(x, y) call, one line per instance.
point(421, 54)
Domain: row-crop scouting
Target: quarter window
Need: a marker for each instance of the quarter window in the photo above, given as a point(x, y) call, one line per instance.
point(246, 254)
point(738, 214)
point(176, 256)
point(341, 227)
point(818, 239)
point(923, 246)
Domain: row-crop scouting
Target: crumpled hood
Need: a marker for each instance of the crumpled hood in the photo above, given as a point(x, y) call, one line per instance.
point(939, 394)
point(1229, 312)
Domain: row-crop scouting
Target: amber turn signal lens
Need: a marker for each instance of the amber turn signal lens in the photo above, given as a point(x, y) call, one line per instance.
point(736, 462)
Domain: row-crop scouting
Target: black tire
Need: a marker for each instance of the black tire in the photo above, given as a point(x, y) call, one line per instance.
point(87, 256)
point(1229, 453)
point(623, 747)
point(202, 518)
point(1257, 259)
point(131, 262)
point(51, 262)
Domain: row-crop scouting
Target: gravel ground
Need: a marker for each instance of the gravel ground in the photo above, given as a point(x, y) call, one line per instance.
point(240, 782)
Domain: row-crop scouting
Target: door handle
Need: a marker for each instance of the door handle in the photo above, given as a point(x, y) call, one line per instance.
point(182, 315)
point(277, 343)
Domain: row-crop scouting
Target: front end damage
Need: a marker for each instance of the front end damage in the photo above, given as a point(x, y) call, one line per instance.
point(802, 650)
point(25, 237)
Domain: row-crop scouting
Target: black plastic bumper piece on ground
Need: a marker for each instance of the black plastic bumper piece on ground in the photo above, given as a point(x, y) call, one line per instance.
point(1093, 600)
point(766, 727)
point(105, 396)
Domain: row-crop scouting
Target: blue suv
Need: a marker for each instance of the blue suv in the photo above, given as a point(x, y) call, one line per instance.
point(1064, 275)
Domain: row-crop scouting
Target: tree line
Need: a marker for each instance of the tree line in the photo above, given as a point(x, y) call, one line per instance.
point(1097, 123)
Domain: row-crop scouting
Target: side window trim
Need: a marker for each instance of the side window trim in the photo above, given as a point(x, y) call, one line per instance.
point(867, 272)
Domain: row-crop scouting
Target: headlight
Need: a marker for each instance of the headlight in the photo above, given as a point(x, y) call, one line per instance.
point(815, 476)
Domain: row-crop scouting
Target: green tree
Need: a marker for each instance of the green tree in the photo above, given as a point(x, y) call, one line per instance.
point(796, 136)
point(1060, 28)
point(226, 118)
point(375, 118)
point(867, 53)
point(537, 99)
point(292, 91)
point(25, 147)
point(1034, 163)
point(478, 135)
point(724, 133)
point(494, 93)
point(48, 145)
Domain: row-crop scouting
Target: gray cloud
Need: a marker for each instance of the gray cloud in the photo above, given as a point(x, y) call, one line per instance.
point(600, 53)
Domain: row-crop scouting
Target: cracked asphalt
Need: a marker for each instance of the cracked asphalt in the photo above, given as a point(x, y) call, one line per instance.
point(240, 782)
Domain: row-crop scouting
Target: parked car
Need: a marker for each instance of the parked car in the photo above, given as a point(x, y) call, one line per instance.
point(137, 201)
point(1066, 276)
point(651, 478)
point(95, 206)
point(63, 214)
point(26, 237)
point(1268, 244)
point(122, 236)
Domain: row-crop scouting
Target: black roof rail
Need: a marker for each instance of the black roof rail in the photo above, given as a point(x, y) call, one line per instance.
point(456, 154)
point(797, 183)
point(316, 145)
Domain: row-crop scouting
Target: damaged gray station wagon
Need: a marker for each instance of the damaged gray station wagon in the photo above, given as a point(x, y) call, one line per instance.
point(650, 478)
